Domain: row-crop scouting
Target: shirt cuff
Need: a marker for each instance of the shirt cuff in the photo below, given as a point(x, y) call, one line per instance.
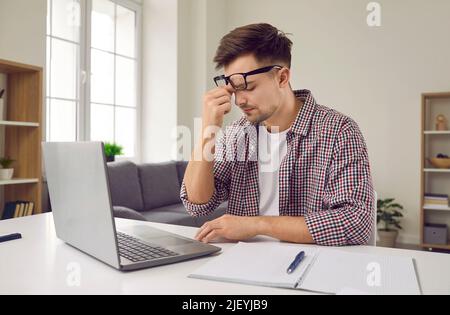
point(196, 210)
point(326, 228)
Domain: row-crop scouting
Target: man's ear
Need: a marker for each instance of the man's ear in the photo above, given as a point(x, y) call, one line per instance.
point(284, 77)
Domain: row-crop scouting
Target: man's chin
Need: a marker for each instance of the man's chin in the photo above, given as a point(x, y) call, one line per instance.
point(254, 119)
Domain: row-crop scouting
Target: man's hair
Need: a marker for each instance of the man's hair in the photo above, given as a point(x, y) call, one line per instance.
point(264, 41)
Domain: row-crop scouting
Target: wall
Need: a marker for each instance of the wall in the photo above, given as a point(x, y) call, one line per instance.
point(160, 83)
point(22, 31)
point(201, 26)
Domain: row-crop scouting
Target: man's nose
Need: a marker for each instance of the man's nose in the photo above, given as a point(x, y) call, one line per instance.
point(241, 100)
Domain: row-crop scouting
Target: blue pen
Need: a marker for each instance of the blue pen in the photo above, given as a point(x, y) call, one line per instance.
point(298, 259)
point(11, 237)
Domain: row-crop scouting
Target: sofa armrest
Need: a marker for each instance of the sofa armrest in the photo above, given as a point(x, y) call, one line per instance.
point(126, 213)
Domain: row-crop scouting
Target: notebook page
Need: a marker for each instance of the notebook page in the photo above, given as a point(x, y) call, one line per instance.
point(262, 264)
point(336, 270)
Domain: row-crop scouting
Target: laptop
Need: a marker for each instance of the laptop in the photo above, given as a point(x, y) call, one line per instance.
point(82, 209)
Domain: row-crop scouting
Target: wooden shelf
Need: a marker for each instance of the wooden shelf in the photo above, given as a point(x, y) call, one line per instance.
point(18, 181)
point(18, 123)
point(430, 208)
point(435, 246)
point(436, 170)
point(437, 132)
point(23, 132)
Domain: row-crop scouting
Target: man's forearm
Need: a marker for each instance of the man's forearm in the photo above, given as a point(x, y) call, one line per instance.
point(199, 176)
point(287, 229)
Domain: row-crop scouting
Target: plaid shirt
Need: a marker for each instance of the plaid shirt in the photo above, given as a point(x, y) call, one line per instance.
point(325, 176)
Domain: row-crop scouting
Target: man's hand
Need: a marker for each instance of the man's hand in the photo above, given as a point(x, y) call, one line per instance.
point(216, 104)
point(232, 228)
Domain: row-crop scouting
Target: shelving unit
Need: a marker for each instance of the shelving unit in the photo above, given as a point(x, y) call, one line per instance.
point(18, 124)
point(23, 132)
point(19, 181)
point(434, 180)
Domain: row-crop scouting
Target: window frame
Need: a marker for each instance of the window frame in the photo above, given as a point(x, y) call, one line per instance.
point(83, 93)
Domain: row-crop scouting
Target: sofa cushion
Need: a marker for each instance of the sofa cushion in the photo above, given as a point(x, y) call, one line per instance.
point(160, 185)
point(220, 211)
point(176, 214)
point(126, 213)
point(125, 186)
point(181, 169)
point(172, 214)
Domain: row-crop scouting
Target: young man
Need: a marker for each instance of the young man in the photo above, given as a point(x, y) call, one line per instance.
point(289, 168)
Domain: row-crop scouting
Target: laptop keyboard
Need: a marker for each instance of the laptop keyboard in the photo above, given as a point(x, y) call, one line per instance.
point(137, 251)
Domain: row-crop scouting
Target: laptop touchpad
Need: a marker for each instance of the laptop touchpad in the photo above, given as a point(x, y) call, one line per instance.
point(155, 236)
point(168, 241)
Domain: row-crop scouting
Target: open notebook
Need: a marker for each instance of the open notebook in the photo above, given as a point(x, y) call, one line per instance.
point(323, 270)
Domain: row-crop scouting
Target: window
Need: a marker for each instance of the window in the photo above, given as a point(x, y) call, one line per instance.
point(102, 106)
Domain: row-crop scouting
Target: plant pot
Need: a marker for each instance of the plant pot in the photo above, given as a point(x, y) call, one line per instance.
point(387, 238)
point(6, 174)
point(110, 159)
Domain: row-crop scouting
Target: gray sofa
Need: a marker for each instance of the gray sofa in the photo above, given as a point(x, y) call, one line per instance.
point(151, 192)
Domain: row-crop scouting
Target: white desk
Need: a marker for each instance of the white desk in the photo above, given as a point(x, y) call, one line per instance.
point(38, 264)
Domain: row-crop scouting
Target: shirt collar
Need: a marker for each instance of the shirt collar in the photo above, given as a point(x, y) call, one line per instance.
point(304, 118)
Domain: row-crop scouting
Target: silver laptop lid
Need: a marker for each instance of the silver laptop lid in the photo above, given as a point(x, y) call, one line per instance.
point(81, 202)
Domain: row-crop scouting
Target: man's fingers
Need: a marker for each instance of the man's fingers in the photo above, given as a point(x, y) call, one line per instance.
point(220, 92)
point(206, 229)
point(222, 100)
point(201, 231)
point(229, 88)
point(211, 236)
point(226, 108)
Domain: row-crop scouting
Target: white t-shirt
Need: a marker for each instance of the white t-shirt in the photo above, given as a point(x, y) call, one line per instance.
point(272, 149)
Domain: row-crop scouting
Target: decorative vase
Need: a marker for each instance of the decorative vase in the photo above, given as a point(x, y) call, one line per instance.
point(6, 173)
point(387, 238)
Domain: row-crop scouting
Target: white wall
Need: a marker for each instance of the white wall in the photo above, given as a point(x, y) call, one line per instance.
point(374, 75)
point(191, 60)
point(22, 31)
point(160, 73)
point(201, 26)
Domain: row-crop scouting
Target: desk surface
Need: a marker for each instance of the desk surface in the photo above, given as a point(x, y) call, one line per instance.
point(42, 264)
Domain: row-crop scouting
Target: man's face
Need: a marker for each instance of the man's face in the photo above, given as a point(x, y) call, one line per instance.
point(262, 97)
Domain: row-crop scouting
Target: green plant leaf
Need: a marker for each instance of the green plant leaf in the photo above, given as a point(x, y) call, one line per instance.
point(6, 162)
point(388, 212)
point(113, 149)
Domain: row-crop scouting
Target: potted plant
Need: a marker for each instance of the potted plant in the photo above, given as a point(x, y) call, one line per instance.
point(388, 212)
point(6, 172)
point(112, 150)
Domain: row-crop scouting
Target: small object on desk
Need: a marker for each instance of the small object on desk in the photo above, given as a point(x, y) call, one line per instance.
point(298, 259)
point(10, 237)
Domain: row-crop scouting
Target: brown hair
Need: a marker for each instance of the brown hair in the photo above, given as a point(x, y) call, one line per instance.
point(263, 40)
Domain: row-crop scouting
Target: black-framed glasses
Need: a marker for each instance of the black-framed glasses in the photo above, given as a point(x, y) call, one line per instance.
point(239, 80)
